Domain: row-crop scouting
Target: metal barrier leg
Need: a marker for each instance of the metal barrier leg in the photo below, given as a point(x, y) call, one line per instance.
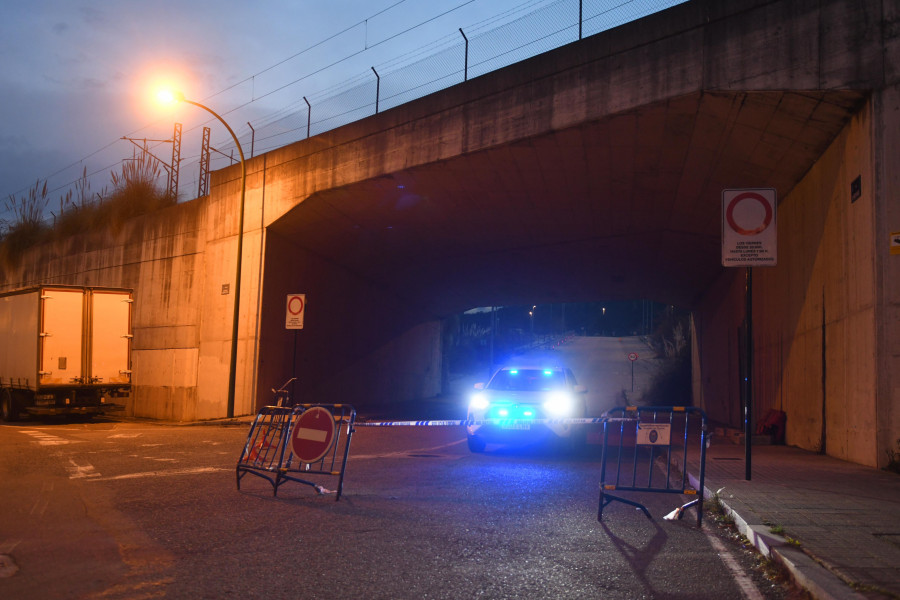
point(608, 498)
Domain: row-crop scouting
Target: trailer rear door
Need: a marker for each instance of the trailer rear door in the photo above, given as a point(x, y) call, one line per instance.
point(110, 336)
point(62, 318)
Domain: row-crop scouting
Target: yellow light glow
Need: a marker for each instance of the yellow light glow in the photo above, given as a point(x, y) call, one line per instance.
point(167, 96)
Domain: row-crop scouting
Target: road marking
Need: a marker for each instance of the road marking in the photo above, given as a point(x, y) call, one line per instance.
point(77, 471)
point(124, 435)
point(192, 471)
point(742, 579)
point(45, 439)
point(40, 506)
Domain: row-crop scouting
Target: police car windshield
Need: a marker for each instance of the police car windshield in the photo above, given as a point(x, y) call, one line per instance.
point(528, 380)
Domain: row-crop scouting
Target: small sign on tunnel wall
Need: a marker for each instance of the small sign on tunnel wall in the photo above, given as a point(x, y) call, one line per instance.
point(895, 242)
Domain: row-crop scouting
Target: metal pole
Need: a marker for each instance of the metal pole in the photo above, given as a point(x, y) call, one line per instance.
point(377, 88)
point(580, 13)
point(308, 115)
point(252, 138)
point(294, 368)
point(748, 377)
point(466, 67)
point(240, 249)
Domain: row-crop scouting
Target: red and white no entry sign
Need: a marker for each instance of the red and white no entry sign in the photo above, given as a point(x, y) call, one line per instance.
point(313, 434)
point(749, 233)
point(296, 308)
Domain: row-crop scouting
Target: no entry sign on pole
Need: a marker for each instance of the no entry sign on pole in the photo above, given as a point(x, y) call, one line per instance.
point(313, 434)
point(749, 232)
point(296, 308)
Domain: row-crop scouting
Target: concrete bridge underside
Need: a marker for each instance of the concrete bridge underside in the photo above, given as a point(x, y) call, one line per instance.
point(623, 207)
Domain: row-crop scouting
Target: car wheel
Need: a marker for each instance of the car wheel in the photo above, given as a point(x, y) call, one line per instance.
point(8, 410)
point(476, 444)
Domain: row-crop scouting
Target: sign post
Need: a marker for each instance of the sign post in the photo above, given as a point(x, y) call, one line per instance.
point(749, 239)
point(296, 309)
point(632, 356)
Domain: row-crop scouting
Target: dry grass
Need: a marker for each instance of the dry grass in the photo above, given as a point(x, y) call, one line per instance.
point(134, 193)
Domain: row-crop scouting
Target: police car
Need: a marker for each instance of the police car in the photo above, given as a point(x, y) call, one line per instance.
point(515, 396)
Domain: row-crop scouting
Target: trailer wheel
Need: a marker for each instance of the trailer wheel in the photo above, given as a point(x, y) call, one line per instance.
point(9, 411)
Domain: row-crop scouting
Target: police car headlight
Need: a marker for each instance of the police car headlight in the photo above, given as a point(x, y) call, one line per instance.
point(479, 402)
point(559, 404)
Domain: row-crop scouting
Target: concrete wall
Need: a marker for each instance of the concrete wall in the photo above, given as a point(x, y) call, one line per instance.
point(162, 257)
point(814, 315)
point(359, 343)
point(886, 149)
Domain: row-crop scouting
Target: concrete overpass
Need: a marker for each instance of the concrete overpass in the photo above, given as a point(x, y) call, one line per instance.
point(592, 172)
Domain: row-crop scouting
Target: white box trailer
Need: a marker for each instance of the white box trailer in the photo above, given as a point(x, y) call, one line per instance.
point(65, 350)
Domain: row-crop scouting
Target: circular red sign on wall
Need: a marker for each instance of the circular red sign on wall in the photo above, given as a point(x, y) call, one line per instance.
point(313, 434)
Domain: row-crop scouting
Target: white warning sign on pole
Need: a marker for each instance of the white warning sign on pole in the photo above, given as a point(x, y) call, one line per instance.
point(296, 308)
point(749, 231)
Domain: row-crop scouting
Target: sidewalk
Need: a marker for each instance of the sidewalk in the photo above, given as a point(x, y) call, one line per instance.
point(844, 518)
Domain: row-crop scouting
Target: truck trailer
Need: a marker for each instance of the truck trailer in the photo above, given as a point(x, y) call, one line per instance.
point(66, 350)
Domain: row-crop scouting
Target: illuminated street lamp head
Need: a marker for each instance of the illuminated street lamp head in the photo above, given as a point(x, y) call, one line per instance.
point(169, 96)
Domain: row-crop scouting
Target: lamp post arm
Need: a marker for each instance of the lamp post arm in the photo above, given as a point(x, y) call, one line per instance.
point(240, 249)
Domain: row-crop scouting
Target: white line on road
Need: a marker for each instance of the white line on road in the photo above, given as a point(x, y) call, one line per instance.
point(77, 471)
point(193, 471)
point(740, 577)
point(45, 439)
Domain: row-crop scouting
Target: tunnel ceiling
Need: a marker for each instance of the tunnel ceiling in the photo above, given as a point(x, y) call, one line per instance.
point(626, 207)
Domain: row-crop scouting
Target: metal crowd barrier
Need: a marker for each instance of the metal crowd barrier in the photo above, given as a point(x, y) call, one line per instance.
point(264, 450)
point(641, 447)
point(299, 443)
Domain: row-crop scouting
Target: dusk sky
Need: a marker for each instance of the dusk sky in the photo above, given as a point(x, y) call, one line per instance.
point(79, 75)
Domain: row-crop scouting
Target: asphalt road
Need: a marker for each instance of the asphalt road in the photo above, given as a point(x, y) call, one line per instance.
point(123, 509)
point(130, 510)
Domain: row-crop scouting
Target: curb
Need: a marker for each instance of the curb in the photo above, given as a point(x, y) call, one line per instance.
point(812, 576)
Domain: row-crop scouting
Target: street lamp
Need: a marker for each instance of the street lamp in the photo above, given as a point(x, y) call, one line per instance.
point(531, 317)
point(173, 96)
